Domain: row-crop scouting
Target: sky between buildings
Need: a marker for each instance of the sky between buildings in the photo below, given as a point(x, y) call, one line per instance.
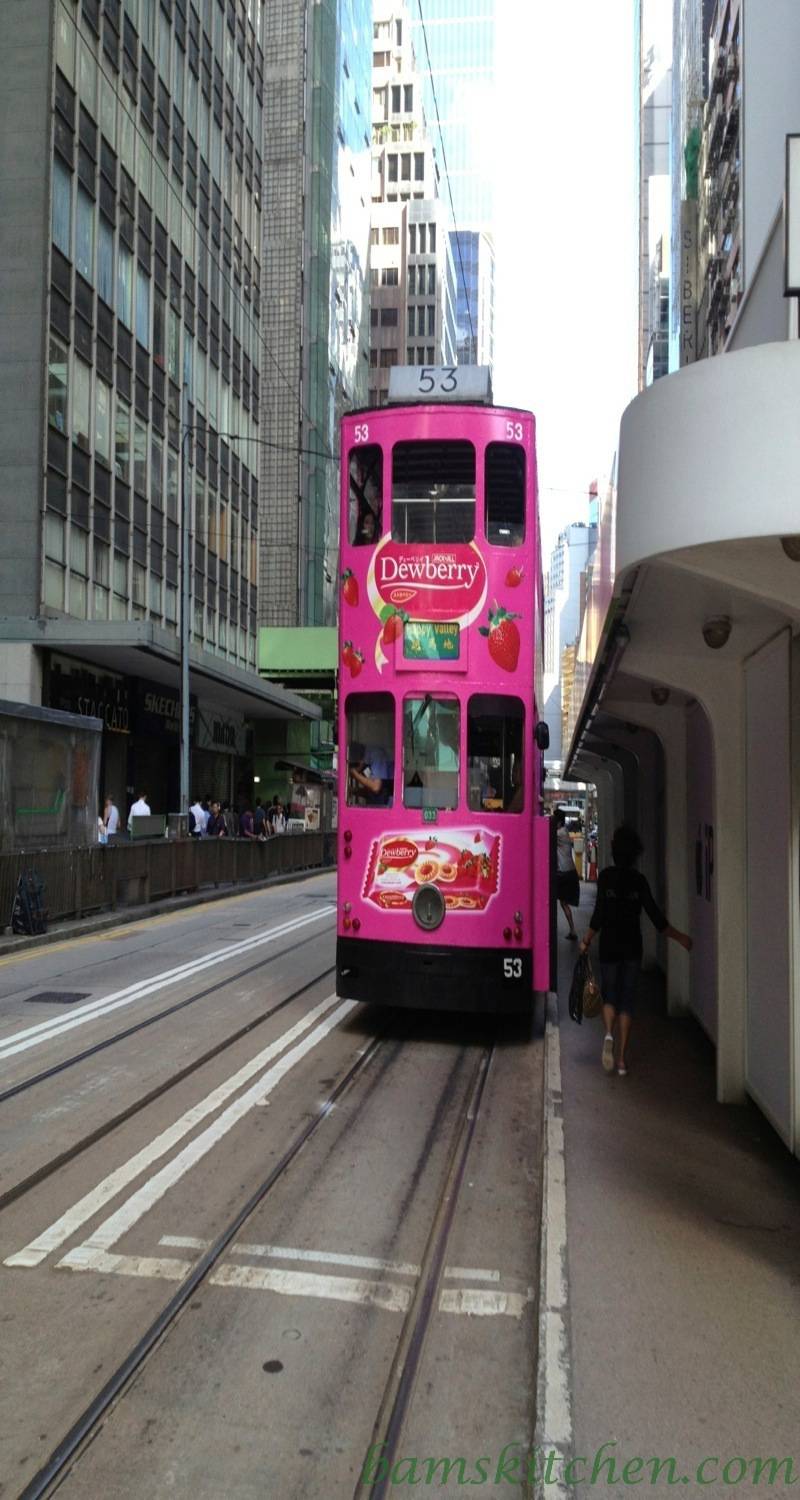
point(567, 248)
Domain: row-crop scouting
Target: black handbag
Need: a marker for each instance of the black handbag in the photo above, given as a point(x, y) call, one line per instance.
point(580, 974)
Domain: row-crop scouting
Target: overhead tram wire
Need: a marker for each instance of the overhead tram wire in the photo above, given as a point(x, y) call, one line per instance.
point(203, 240)
point(447, 174)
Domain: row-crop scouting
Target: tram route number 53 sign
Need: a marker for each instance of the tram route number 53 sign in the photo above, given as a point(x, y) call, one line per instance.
point(440, 383)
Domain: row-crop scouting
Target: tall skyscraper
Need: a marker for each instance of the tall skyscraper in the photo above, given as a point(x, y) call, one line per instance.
point(315, 361)
point(412, 305)
point(455, 43)
point(131, 299)
point(653, 64)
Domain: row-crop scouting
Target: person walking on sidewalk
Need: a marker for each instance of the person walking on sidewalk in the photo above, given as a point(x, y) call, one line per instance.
point(623, 893)
point(568, 890)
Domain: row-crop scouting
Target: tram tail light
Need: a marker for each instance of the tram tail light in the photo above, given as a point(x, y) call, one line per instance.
point(518, 918)
point(348, 837)
point(348, 851)
point(356, 924)
point(518, 934)
point(507, 934)
point(346, 923)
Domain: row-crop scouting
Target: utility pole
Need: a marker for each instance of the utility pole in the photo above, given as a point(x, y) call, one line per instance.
point(185, 510)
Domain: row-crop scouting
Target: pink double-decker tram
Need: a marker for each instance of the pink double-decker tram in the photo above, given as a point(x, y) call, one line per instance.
point(443, 849)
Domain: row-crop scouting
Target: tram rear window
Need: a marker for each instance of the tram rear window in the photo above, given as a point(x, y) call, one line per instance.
point(505, 494)
point(431, 753)
point(366, 495)
point(370, 749)
point(494, 753)
point(433, 492)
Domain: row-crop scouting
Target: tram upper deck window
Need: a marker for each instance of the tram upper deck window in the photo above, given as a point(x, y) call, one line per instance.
point(504, 483)
point(366, 495)
point(433, 492)
point(495, 753)
point(370, 749)
point(431, 754)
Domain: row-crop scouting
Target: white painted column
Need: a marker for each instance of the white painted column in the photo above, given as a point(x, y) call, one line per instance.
point(718, 685)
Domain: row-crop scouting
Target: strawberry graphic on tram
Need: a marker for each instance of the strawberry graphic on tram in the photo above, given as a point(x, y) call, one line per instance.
point(444, 854)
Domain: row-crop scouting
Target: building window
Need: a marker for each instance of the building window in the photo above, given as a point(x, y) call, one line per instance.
point(409, 355)
point(373, 359)
point(374, 236)
point(156, 471)
point(81, 390)
point(408, 91)
point(388, 317)
point(412, 239)
point(390, 276)
point(102, 421)
point(174, 345)
point(159, 330)
point(432, 239)
point(78, 551)
point(412, 328)
point(392, 164)
point(419, 166)
point(57, 385)
point(431, 281)
point(84, 235)
point(124, 284)
point(398, 31)
point(140, 458)
point(54, 537)
point(412, 281)
point(421, 321)
point(391, 235)
point(395, 98)
point(142, 308)
point(431, 320)
point(122, 441)
point(62, 209)
point(388, 358)
point(105, 262)
point(405, 168)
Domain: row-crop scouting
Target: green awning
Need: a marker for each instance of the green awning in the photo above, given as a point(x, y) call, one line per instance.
point(297, 650)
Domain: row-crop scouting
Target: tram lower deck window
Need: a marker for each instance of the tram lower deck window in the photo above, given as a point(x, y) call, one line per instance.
point(431, 752)
point(495, 726)
point(370, 749)
point(433, 492)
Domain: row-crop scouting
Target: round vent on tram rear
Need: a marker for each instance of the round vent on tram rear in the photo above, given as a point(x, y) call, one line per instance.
point(428, 908)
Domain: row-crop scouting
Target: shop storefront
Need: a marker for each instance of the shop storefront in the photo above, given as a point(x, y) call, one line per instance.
point(78, 688)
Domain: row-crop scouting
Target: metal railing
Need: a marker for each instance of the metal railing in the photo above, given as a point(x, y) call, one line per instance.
point(79, 881)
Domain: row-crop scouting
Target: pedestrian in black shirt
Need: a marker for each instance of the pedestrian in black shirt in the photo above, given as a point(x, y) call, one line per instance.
point(622, 894)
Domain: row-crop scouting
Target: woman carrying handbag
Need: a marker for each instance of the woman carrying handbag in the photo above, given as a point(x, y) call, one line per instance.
point(623, 893)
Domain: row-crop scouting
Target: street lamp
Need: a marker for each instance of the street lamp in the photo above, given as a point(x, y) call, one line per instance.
point(186, 432)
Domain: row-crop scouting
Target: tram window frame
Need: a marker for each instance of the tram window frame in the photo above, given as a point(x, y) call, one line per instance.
point(361, 504)
point(369, 725)
point(414, 484)
point(486, 714)
point(437, 786)
point(504, 512)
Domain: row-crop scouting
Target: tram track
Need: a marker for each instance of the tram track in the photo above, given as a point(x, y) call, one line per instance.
point(48, 1169)
point(394, 1403)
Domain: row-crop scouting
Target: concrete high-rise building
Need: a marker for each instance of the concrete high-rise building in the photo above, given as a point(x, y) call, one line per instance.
point(456, 53)
point(653, 63)
point(132, 309)
point(412, 304)
point(317, 143)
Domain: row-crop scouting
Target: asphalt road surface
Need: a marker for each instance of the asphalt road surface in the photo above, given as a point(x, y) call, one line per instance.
point(255, 1241)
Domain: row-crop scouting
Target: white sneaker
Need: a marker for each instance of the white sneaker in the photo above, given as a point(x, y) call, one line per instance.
point(608, 1054)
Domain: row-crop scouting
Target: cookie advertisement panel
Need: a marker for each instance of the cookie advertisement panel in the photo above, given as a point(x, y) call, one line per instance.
point(464, 863)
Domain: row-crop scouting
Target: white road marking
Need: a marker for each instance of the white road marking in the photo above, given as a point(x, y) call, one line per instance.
point(76, 1216)
point(284, 1252)
point(44, 1031)
point(554, 1429)
point(152, 1191)
point(391, 1296)
point(478, 1303)
point(459, 1273)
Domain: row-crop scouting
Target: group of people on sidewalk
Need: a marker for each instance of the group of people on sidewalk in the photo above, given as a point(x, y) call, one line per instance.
point(210, 819)
point(623, 893)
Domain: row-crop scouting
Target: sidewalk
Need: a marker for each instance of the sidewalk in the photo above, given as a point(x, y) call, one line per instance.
point(683, 1253)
